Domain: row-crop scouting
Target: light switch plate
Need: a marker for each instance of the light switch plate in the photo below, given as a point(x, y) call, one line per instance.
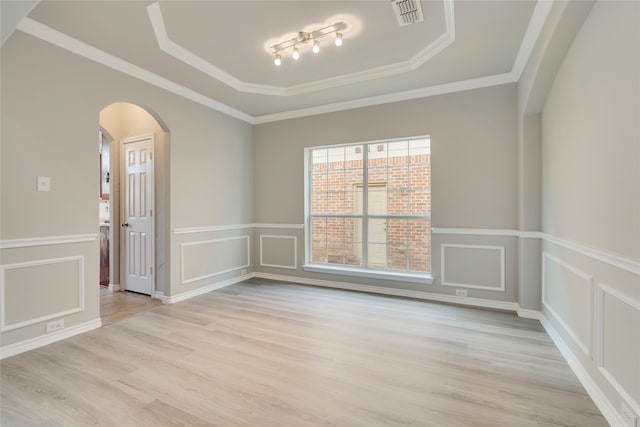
point(44, 183)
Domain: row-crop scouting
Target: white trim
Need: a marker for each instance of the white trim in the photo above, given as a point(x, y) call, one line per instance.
point(49, 35)
point(205, 289)
point(47, 241)
point(4, 327)
point(211, 228)
point(269, 225)
point(587, 347)
point(182, 54)
point(534, 29)
point(599, 398)
point(616, 260)
point(158, 295)
point(459, 86)
point(114, 287)
point(526, 313)
point(295, 252)
point(206, 276)
point(396, 276)
point(610, 258)
point(635, 304)
point(476, 231)
point(500, 249)
point(42, 340)
point(476, 302)
point(215, 228)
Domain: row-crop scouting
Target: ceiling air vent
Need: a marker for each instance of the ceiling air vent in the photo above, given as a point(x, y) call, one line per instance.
point(407, 11)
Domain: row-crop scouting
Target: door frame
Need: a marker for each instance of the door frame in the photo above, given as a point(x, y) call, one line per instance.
point(122, 243)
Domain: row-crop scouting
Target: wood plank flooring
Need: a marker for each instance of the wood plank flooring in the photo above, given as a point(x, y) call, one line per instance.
point(116, 306)
point(266, 354)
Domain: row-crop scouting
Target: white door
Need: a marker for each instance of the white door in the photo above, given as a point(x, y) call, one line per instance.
point(138, 214)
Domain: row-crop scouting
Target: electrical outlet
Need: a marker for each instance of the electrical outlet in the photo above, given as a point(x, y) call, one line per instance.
point(54, 326)
point(461, 292)
point(44, 183)
point(243, 271)
point(628, 415)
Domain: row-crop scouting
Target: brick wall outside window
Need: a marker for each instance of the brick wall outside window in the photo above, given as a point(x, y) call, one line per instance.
point(399, 184)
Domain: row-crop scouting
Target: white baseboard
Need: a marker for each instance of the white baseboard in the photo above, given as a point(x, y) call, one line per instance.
point(42, 340)
point(599, 398)
point(158, 295)
point(113, 288)
point(212, 287)
point(476, 302)
point(525, 313)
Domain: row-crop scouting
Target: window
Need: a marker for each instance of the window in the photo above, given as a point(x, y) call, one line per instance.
point(369, 206)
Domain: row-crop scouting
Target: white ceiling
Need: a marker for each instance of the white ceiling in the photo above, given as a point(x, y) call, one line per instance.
point(217, 52)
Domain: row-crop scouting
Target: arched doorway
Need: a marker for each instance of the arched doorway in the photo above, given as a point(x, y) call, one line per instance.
point(139, 137)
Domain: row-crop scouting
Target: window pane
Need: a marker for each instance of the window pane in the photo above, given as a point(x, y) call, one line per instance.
point(419, 232)
point(319, 203)
point(335, 157)
point(353, 241)
point(398, 257)
point(319, 159)
point(377, 232)
point(420, 151)
point(319, 240)
point(377, 176)
point(335, 204)
point(377, 253)
point(377, 154)
point(419, 202)
point(398, 153)
point(377, 200)
point(335, 180)
point(335, 252)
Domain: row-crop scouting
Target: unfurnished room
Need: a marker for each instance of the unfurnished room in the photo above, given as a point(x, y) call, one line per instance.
point(320, 213)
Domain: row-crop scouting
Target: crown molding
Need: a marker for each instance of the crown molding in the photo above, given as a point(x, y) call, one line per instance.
point(538, 18)
point(48, 34)
point(479, 83)
point(182, 54)
point(531, 35)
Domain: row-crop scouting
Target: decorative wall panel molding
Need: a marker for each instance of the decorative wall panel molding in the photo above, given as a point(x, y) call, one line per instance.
point(488, 274)
point(618, 343)
point(47, 241)
point(208, 258)
point(568, 297)
point(280, 249)
point(50, 288)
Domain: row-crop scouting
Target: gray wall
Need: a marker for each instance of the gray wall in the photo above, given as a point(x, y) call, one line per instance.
point(591, 201)
point(474, 171)
point(51, 100)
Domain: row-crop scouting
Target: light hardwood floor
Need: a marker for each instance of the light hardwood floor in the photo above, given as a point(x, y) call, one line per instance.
point(116, 306)
point(267, 354)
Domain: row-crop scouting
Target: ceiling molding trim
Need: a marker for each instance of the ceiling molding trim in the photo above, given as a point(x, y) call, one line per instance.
point(182, 54)
point(43, 32)
point(172, 48)
point(479, 83)
point(531, 35)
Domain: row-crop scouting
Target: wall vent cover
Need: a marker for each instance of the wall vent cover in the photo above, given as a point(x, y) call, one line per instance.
point(407, 11)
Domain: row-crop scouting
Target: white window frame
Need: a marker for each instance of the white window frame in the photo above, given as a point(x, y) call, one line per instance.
point(346, 270)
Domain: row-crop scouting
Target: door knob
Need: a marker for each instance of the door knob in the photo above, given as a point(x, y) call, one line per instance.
point(126, 224)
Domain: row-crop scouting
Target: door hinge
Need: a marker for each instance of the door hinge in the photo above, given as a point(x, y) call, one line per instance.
point(150, 212)
point(150, 270)
point(150, 156)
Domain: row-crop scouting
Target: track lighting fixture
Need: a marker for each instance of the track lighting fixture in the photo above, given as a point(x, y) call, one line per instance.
point(338, 38)
point(303, 38)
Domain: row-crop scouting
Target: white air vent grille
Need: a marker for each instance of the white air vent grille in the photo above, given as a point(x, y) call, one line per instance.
point(407, 11)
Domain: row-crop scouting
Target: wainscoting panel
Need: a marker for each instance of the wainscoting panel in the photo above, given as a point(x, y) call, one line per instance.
point(279, 251)
point(567, 294)
point(473, 266)
point(619, 342)
point(40, 290)
point(208, 258)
